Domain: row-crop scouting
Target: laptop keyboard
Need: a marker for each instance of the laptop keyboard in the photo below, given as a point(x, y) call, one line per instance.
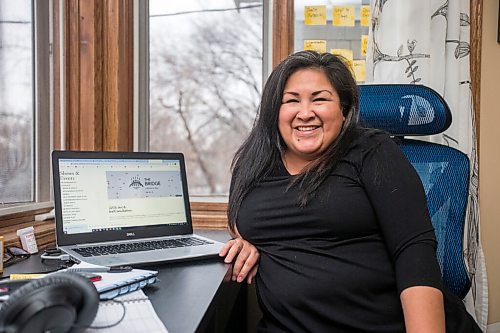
point(92, 251)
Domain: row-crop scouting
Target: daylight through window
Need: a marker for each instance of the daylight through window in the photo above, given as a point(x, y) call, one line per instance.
point(205, 83)
point(16, 101)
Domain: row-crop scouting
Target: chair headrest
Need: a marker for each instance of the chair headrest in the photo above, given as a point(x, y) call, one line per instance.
point(403, 109)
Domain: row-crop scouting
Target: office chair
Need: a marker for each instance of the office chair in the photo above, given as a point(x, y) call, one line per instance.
point(415, 110)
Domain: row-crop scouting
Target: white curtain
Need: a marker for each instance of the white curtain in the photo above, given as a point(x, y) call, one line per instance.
point(427, 42)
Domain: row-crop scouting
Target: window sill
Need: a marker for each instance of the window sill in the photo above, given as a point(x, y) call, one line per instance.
point(15, 217)
point(209, 198)
point(209, 214)
point(206, 213)
point(10, 209)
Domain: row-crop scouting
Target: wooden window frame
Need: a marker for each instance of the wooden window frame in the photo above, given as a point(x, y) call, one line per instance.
point(93, 88)
point(92, 85)
point(41, 140)
point(283, 30)
point(100, 114)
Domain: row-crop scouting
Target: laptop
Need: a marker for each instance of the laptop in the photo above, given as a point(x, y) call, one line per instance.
point(115, 208)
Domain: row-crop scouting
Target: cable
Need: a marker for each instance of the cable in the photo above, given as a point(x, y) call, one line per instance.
point(62, 257)
point(206, 10)
point(104, 326)
point(119, 320)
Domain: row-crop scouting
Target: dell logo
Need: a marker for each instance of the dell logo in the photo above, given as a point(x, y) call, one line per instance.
point(129, 234)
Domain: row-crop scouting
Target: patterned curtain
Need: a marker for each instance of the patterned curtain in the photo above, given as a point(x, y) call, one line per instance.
point(427, 42)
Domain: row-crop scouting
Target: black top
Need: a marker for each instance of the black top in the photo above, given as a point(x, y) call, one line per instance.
point(340, 263)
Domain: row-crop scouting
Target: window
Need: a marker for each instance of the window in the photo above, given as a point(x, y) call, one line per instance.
point(16, 114)
point(336, 26)
point(24, 103)
point(205, 81)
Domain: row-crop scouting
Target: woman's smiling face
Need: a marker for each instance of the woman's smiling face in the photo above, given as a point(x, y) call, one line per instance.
point(310, 116)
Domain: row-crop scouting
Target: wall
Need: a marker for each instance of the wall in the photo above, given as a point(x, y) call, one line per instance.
point(489, 154)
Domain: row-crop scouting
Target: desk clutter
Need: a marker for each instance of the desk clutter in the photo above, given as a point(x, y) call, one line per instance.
point(28, 240)
point(13, 254)
point(84, 296)
point(57, 302)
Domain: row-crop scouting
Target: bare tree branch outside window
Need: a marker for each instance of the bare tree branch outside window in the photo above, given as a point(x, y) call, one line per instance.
point(205, 85)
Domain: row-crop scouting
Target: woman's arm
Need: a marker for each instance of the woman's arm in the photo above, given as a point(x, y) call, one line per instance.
point(399, 201)
point(423, 310)
point(243, 255)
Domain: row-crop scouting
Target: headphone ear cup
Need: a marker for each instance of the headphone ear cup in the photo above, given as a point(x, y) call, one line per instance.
point(63, 302)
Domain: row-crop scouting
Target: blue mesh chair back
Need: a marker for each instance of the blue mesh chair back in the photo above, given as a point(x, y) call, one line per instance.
point(415, 110)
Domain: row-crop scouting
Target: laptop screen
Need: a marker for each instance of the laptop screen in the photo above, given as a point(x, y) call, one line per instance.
point(103, 196)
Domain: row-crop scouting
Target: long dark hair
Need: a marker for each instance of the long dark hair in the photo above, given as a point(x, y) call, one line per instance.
point(262, 150)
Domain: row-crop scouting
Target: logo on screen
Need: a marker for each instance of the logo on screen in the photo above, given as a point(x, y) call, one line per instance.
point(135, 183)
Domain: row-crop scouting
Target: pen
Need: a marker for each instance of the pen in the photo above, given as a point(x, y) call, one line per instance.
point(112, 269)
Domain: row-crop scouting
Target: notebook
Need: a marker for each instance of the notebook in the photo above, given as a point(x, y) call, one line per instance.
point(115, 208)
point(113, 284)
point(140, 316)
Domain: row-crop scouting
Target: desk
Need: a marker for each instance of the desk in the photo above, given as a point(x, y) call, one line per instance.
point(192, 297)
point(189, 296)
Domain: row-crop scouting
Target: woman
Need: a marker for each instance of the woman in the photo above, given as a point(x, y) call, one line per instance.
point(334, 214)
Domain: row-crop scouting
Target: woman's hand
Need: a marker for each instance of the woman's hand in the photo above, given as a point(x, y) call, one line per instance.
point(244, 256)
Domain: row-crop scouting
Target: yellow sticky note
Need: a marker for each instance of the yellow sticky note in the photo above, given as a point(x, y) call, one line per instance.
point(359, 67)
point(315, 15)
point(365, 15)
point(26, 276)
point(364, 44)
point(315, 45)
point(346, 53)
point(343, 16)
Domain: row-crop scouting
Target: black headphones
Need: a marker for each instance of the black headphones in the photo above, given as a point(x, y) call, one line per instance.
point(62, 302)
